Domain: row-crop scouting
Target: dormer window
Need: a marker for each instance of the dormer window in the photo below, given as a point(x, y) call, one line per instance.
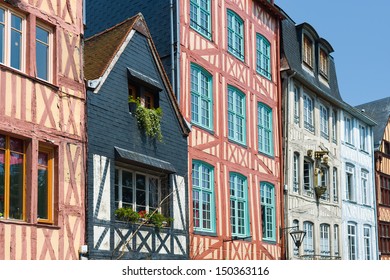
point(307, 51)
point(324, 65)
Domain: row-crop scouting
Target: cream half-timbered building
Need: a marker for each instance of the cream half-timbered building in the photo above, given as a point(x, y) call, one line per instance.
point(42, 132)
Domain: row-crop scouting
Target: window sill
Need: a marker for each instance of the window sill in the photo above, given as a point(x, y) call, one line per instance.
point(349, 145)
point(364, 152)
point(208, 130)
point(266, 155)
point(209, 38)
point(37, 80)
point(231, 141)
point(24, 223)
point(204, 233)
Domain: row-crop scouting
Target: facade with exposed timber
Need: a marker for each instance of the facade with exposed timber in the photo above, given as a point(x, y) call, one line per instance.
point(222, 58)
point(42, 132)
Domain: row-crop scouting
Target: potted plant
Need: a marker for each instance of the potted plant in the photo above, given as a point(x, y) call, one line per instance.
point(133, 103)
point(150, 121)
point(126, 214)
point(158, 220)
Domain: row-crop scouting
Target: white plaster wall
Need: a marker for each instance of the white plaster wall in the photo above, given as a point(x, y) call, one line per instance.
point(101, 188)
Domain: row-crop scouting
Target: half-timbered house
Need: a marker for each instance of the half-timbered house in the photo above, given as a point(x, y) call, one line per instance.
point(42, 132)
point(379, 110)
point(222, 58)
point(136, 173)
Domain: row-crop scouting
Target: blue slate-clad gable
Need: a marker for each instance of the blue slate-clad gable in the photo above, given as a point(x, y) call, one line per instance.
point(111, 128)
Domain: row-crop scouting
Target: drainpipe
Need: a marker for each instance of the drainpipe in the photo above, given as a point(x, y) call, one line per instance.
point(375, 201)
point(286, 110)
point(178, 51)
point(172, 48)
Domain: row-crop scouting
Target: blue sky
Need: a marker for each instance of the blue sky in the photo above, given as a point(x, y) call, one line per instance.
point(359, 33)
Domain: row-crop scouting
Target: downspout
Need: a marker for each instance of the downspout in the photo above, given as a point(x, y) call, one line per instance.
point(178, 53)
point(286, 151)
point(375, 202)
point(172, 48)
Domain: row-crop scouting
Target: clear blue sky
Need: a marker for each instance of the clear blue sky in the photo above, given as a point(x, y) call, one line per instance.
point(359, 32)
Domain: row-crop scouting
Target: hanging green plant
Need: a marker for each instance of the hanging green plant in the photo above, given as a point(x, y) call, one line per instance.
point(126, 214)
point(150, 121)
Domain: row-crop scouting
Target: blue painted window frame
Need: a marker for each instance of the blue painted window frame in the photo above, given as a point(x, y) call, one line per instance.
point(263, 59)
point(200, 17)
point(203, 187)
point(239, 214)
point(268, 212)
point(264, 129)
point(201, 97)
point(236, 115)
point(235, 28)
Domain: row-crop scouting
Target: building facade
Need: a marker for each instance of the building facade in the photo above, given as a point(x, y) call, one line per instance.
point(42, 130)
point(137, 188)
point(379, 110)
point(358, 188)
point(222, 58)
point(312, 142)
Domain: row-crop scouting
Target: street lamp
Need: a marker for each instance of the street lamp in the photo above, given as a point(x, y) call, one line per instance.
point(296, 235)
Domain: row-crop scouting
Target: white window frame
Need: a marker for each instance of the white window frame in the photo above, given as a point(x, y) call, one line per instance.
point(324, 121)
point(308, 112)
point(348, 130)
point(367, 242)
point(296, 173)
point(308, 241)
point(352, 241)
point(350, 192)
point(7, 38)
point(134, 189)
point(364, 185)
point(363, 138)
point(324, 240)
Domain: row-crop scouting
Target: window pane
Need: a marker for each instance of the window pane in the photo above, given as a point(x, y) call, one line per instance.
point(2, 34)
point(16, 186)
point(43, 194)
point(153, 192)
point(140, 192)
point(16, 145)
point(42, 53)
point(16, 42)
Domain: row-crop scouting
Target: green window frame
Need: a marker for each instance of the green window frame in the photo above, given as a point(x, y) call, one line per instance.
point(268, 213)
point(263, 59)
point(239, 214)
point(235, 34)
point(236, 115)
point(200, 17)
point(201, 97)
point(203, 197)
point(264, 129)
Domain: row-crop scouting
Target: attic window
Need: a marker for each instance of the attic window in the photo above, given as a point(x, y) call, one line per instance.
point(147, 97)
point(307, 51)
point(324, 66)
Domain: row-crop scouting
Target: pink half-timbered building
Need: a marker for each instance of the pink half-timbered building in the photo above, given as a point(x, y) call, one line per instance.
point(42, 132)
point(230, 92)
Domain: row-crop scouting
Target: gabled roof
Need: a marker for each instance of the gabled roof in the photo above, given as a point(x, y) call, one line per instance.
point(101, 51)
point(378, 110)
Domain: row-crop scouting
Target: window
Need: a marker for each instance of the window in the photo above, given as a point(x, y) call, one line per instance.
point(201, 97)
point(12, 178)
point(323, 63)
point(324, 240)
point(367, 242)
point(11, 39)
point(45, 185)
point(385, 190)
point(308, 108)
point(308, 241)
point(239, 217)
point(203, 196)
point(236, 115)
point(325, 182)
point(324, 122)
point(364, 178)
point(136, 190)
point(363, 137)
point(263, 50)
point(296, 172)
point(296, 105)
point(348, 130)
point(335, 186)
point(384, 237)
point(349, 190)
point(336, 240)
point(200, 17)
point(307, 51)
point(146, 96)
point(334, 126)
point(268, 211)
point(352, 245)
point(43, 51)
point(386, 147)
point(308, 177)
point(235, 35)
point(264, 129)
